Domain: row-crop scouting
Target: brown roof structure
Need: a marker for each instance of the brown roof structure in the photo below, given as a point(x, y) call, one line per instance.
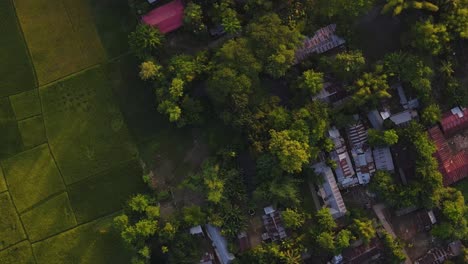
point(454, 120)
point(453, 165)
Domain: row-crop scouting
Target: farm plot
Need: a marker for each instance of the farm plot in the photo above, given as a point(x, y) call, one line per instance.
point(51, 217)
point(10, 141)
point(105, 193)
point(16, 72)
point(85, 129)
point(32, 176)
point(11, 230)
point(19, 253)
point(26, 104)
point(3, 186)
point(91, 243)
point(59, 37)
point(32, 131)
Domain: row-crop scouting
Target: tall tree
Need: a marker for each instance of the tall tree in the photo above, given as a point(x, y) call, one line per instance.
point(397, 6)
point(145, 40)
point(430, 37)
point(193, 18)
point(273, 43)
point(291, 149)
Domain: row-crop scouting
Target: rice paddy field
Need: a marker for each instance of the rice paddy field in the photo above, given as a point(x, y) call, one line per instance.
point(68, 158)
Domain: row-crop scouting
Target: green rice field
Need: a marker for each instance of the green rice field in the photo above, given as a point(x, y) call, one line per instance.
point(68, 160)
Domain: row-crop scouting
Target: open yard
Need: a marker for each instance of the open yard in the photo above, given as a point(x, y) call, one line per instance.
point(16, 72)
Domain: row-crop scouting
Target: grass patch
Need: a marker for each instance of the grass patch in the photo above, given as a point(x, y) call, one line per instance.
point(32, 131)
point(90, 243)
point(32, 176)
point(3, 186)
point(51, 217)
point(16, 72)
point(105, 193)
point(26, 104)
point(114, 21)
point(11, 230)
point(10, 139)
point(60, 40)
point(135, 99)
point(463, 187)
point(18, 254)
point(85, 128)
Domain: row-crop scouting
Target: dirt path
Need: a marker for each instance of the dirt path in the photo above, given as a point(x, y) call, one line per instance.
point(378, 209)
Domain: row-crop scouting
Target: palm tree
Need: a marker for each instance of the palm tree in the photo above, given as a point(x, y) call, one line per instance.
point(446, 68)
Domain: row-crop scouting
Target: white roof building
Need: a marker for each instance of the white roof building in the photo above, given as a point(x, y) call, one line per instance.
point(329, 191)
point(403, 118)
point(219, 245)
point(383, 159)
point(375, 119)
point(196, 230)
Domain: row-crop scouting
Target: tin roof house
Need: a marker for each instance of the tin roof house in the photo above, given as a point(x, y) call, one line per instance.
point(323, 40)
point(345, 173)
point(383, 159)
point(361, 152)
point(219, 244)
point(329, 191)
point(273, 223)
point(453, 160)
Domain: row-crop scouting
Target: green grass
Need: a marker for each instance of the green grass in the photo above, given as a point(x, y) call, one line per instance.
point(114, 22)
point(91, 243)
point(60, 37)
point(3, 186)
point(85, 128)
point(16, 72)
point(135, 98)
point(49, 218)
point(32, 131)
point(11, 230)
point(10, 139)
point(20, 253)
point(26, 104)
point(105, 193)
point(32, 176)
point(463, 187)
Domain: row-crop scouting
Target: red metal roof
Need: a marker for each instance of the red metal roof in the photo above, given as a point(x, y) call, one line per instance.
point(451, 122)
point(166, 18)
point(453, 166)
